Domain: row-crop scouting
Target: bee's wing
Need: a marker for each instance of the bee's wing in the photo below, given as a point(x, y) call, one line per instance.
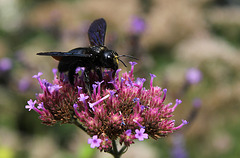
point(96, 32)
point(77, 52)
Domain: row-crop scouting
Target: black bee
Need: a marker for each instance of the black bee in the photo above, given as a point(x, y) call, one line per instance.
point(94, 58)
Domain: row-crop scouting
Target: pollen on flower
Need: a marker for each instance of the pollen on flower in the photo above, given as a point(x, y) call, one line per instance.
point(117, 108)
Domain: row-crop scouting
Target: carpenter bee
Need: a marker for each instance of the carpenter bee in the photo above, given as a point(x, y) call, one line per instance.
point(94, 58)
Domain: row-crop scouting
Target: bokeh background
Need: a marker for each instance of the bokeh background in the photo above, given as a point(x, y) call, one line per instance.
point(192, 46)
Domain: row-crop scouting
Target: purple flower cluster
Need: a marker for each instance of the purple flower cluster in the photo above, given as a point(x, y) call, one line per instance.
point(119, 107)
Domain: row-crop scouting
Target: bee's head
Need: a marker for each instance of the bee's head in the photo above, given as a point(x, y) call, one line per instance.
point(110, 59)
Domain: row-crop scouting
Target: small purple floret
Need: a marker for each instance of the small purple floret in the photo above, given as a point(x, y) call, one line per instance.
point(82, 97)
point(132, 68)
point(112, 92)
point(94, 141)
point(94, 86)
point(79, 90)
point(38, 75)
point(31, 105)
point(75, 106)
point(184, 122)
point(133, 63)
point(54, 88)
point(165, 90)
point(140, 135)
point(178, 101)
point(140, 81)
point(136, 100)
point(152, 77)
point(99, 85)
point(40, 106)
point(128, 132)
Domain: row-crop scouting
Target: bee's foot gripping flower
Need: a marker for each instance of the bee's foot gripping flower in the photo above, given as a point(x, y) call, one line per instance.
point(117, 107)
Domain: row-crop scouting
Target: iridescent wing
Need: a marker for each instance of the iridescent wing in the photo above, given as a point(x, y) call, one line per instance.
point(77, 52)
point(96, 32)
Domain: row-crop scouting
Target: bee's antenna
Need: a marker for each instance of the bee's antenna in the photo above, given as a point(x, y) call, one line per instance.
point(122, 62)
point(129, 56)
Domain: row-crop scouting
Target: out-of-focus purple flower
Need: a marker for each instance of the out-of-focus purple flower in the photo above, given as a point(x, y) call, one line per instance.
point(117, 108)
point(23, 84)
point(140, 135)
point(197, 102)
point(193, 75)
point(178, 148)
point(94, 141)
point(5, 64)
point(138, 25)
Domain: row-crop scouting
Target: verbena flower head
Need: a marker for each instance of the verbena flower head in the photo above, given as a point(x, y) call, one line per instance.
point(119, 107)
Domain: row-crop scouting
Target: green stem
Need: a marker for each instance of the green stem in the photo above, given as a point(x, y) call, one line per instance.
point(123, 149)
point(115, 152)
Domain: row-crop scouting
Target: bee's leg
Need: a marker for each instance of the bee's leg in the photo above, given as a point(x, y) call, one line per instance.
point(99, 73)
point(87, 81)
point(113, 74)
point(71, 73)
point(63, 66)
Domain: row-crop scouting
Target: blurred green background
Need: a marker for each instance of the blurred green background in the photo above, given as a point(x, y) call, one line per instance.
point(177, 35)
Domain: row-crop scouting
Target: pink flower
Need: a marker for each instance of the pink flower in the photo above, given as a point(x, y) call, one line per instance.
point(113, 109)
